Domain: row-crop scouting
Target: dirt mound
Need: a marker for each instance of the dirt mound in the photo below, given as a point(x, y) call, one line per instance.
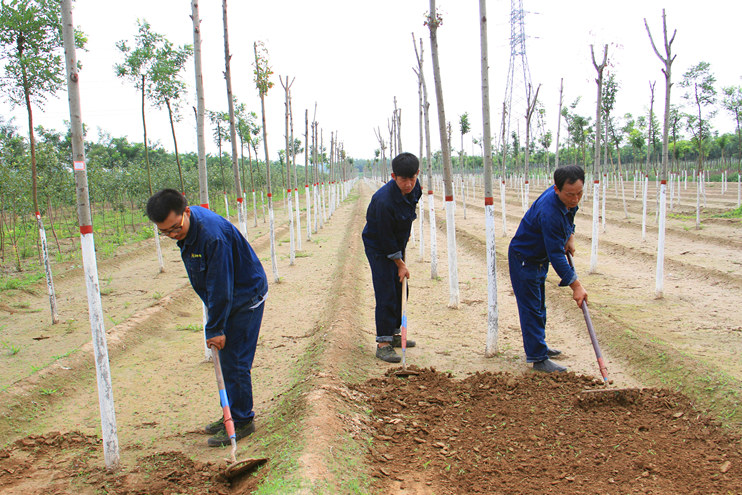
point(500, 433)
point(67, 463)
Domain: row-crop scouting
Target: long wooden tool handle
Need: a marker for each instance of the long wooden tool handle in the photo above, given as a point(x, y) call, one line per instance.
point(591, 332)
point(224, 400)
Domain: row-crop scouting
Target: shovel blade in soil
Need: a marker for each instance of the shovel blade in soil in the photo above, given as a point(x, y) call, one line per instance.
point(244, 467)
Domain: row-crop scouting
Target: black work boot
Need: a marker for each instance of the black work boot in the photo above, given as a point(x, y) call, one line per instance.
point(215, 427)
point(386, 353)
point(553, 352)
point(548, 366)
point(241, 430)
point(397, 341)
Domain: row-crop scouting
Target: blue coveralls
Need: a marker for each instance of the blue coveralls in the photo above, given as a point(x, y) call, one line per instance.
point(228, 277)
point(539, 240)
point(388, 222)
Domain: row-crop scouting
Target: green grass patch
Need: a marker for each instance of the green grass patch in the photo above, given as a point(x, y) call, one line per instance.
point(736, 213)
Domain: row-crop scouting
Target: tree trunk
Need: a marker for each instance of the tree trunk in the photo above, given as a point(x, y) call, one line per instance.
point(95, 310)
point(203, 178)
point(39, 222)
point(491, 346)
point(596, 159)
point(559, 122)
point(232, 129)
point(453, 277)
point(175, 144)
point(274, 263)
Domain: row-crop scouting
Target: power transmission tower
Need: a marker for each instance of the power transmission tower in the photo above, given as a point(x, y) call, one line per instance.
point(518, 86)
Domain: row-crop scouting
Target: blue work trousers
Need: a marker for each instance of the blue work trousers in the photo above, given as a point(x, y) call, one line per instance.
point(388, 294)
point(236, 358)
point(528, 280)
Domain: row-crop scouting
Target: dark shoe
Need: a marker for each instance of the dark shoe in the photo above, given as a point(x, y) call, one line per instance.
point(553, 353)
point(397, 341)
point(548, 366)
point(241, 431)
point(215, 427)
point(387, 354)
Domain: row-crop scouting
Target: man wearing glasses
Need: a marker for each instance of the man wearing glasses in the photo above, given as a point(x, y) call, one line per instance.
point(228, 277)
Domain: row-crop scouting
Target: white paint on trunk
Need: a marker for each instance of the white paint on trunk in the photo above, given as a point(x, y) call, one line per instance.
point(241, 219)
point(605, 193)
point(596, 211)
point(254, 215)
point(271, 223)
point(298, 219)
point(100, 351)
point(48, 271)
point(645, 187)
point(453, 273)
point(660, 275)
point(205, 319)
point(159, 248)
point(421, 221)
point(502, 207)
point(492, 312)
point(226, 205)
point(292, 241)
point(433, 236)
point(309, 212)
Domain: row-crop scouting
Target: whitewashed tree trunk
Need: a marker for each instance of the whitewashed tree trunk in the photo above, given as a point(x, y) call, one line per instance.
point(298, 218)
point(699, 185)
point(226, 205)
point(502, 208)
point(491, 346)
point(254, 216)
point(596, 157)
point(594, 243)
point(660, 273)
point(309, 212)
point(602, 200)
point(159, 249)
point(453, 277)
point(95, 309)
point(47, 270)
point(645, 188)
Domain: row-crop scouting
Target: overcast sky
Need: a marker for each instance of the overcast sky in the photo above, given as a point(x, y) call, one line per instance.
point(352, 58)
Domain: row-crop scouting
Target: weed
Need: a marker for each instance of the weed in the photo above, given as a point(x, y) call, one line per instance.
point(12, 350)
point(49, 391)
point(190, 328)
point(157, 295)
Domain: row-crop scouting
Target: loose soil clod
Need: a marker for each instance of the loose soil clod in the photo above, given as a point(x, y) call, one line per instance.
point(500, 433)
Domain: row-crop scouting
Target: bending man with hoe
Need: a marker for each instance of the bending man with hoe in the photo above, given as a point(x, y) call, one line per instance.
point(228, 277)
point(388, 222)
point(544, 236)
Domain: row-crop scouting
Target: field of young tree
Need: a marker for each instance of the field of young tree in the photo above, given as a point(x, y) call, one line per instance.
point(658, 237)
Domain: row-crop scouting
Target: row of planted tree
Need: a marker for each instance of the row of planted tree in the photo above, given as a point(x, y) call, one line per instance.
point(119, 186)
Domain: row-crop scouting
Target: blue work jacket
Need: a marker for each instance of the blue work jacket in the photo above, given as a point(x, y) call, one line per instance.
point(222, 267)
point(389, 219)
point(543, 232)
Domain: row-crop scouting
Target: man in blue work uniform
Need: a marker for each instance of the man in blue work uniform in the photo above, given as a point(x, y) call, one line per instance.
point(544, 236)
point(388, 222)
point(228, 277)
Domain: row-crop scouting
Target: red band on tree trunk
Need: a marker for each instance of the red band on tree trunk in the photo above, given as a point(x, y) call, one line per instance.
point(663, 182)
point(488, 201)
point(449, 198)
point(430, 191)
point(86, 229)
point(205, 205)
point(239, 200)
point(270, 195)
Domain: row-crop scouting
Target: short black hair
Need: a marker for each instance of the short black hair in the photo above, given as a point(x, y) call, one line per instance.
point(163, 202)
point(569, 174)
point(405, 165)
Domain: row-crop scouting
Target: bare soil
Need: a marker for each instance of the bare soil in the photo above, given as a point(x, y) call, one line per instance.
point(332, 418)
